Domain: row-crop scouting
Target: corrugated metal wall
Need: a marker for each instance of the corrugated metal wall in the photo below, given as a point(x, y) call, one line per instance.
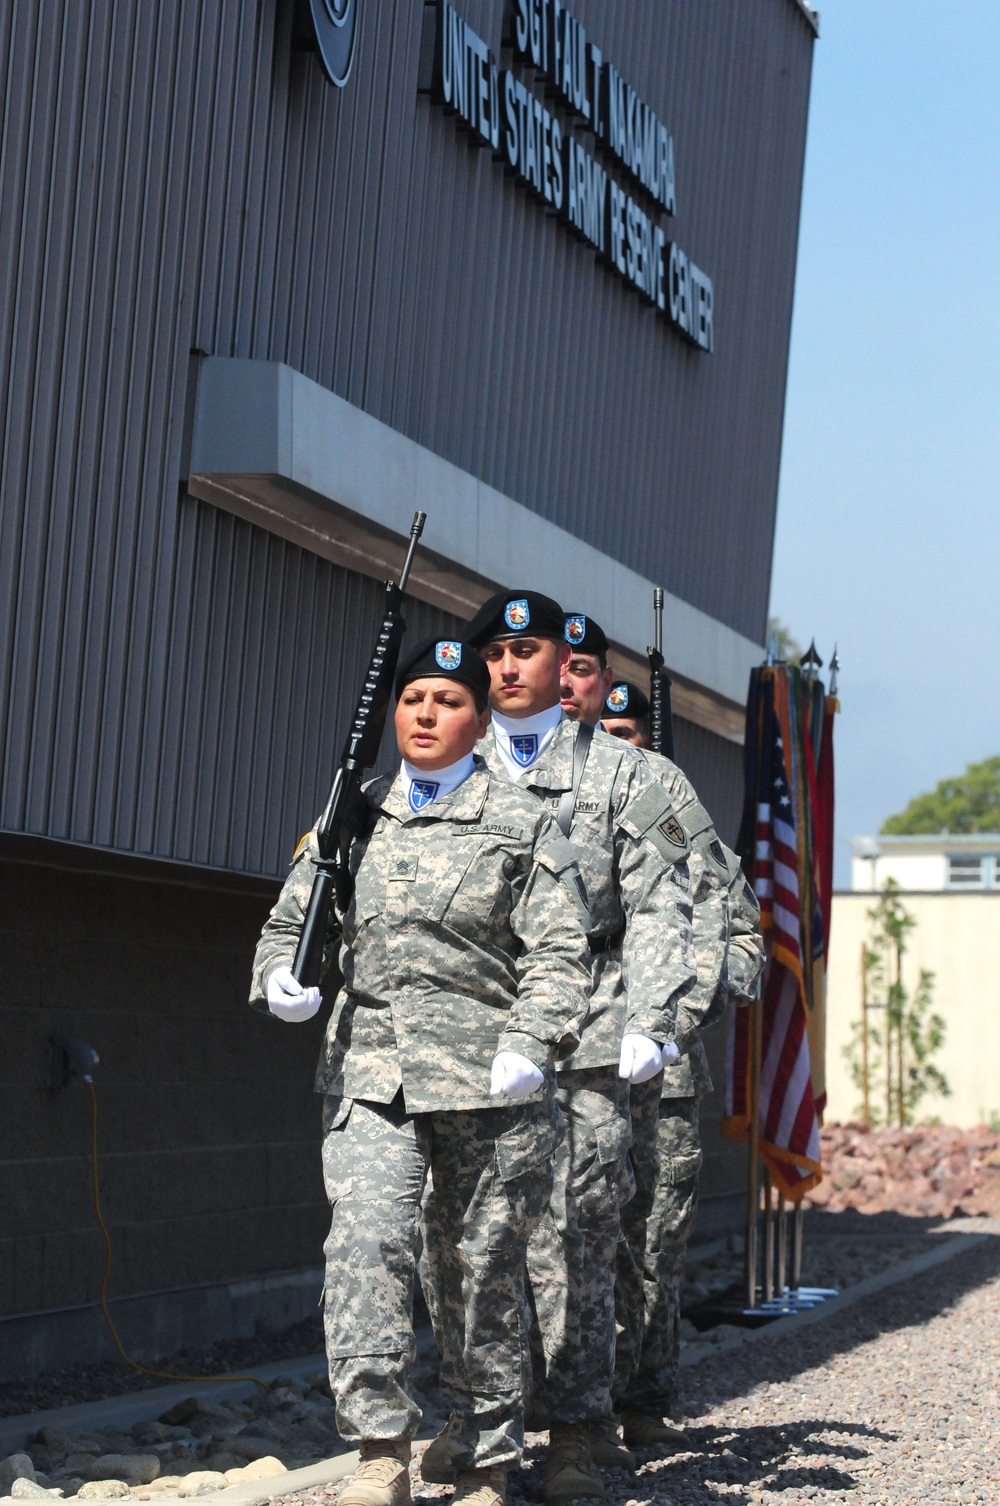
point(176, 177)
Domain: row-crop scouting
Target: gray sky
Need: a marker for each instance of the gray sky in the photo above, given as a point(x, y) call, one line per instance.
point(888, 535)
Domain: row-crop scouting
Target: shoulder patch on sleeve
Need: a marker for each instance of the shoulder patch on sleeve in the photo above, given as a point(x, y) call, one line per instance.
point(750, 903)
point(651, 818)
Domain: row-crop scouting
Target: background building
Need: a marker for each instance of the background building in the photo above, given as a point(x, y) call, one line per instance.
point(951, 886)
point(945, 863)
point(249, 322)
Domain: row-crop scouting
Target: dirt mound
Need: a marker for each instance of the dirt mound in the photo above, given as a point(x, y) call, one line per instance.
point(931, 1170)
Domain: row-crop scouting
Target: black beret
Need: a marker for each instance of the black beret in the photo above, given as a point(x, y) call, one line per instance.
point(584, 635)
point(626, 699)
point(509, 614)
point(444, 658)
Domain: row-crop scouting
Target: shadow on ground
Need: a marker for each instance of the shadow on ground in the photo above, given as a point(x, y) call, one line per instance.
point(726, 1376)
point(737, 1460)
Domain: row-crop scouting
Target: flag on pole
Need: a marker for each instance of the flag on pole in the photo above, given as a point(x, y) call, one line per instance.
point(779, 858)
point(821, 784)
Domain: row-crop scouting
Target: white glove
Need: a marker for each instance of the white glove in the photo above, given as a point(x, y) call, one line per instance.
point(670, 1053)
point(514, 1075)
point(640, 1059)
point(287, 999)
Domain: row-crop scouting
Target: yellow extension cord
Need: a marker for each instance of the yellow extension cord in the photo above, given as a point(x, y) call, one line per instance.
point(145, 1369)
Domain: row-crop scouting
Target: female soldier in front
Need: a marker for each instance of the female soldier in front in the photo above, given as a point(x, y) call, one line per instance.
point(466, 973)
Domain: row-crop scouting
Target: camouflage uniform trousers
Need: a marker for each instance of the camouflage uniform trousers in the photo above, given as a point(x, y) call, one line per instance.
point(492, 1177)
point(666, 1161)
point(571, 1255)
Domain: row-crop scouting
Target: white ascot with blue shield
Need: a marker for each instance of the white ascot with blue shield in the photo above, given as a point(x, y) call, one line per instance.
point(522, 740)
point(423, 788)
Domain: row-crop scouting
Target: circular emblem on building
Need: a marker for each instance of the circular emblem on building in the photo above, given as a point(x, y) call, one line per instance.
point(448, 654)
point(516, 614)
point(618, 699)
point(576, 629)
point(335, 29)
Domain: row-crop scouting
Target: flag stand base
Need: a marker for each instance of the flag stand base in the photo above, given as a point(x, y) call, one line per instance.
point(731, 1307)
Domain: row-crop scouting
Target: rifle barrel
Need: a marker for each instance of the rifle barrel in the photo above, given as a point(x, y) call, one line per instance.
point(416, 529)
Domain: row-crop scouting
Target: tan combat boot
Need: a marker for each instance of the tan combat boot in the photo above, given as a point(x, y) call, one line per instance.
point(382, 1478)
point(643, 1431)
point(481, 1487)
point(570, 1473)
point(607, 1449)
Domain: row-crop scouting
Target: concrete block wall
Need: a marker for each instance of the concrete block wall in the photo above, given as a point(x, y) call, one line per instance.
point(208, 1128)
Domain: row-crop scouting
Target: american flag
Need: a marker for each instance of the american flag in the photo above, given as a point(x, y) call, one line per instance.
point(777, 860)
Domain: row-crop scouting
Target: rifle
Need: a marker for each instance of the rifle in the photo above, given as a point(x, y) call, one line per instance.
point(339, 822)
point(661, 716)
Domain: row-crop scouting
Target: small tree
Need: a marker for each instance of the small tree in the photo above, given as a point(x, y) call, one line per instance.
point(789, 649)
point(899, 1049)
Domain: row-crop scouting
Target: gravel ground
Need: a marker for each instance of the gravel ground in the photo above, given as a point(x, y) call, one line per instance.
point(64, 1388)
point(892, 1403)
point(839, 1250)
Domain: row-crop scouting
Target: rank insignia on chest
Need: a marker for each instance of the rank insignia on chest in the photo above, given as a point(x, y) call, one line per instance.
point(422, 792)
point(525, 748)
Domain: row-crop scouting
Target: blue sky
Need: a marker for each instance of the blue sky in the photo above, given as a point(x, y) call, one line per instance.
point(888, 537)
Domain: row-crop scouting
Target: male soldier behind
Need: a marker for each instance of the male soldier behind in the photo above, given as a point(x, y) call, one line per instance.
point(632, 856)
point(466, 973)
point(666, 1144)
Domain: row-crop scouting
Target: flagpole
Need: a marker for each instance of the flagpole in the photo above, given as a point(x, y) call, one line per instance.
point(753, 1139)
point(867, 1112)
point(782, 1274)
point(797, 1246)
point(768, 1238)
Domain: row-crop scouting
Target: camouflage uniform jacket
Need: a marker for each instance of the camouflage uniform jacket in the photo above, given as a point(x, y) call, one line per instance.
point(632, 854)
point(466, 935)
point(727, 943)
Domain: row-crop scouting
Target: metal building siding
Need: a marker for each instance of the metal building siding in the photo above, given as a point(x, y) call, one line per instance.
point(175, 177)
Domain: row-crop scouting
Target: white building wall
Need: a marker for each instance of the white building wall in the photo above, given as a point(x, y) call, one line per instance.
point(923, 870)
point(955, 939)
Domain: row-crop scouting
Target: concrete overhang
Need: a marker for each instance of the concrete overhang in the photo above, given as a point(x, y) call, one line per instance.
point(277, 449)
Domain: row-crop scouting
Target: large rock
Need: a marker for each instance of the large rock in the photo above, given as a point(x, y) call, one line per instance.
point(145, 1433)
point(260, 1469)
point(15, 1467)
point(30, 1490)
point(78, 1463)
point(180, 1411)
point(103, 1490)
point(250, 1446)
point(222, 1461)
point(134, 1469)
point(56, 1440)
point(201, 1482)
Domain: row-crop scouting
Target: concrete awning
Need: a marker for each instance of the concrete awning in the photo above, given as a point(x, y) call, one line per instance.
point(277, 449)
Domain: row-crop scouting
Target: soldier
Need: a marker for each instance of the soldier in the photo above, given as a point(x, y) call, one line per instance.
point(666, 1144)
point(632, 854)
point(466, 973)
point(586, 677)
